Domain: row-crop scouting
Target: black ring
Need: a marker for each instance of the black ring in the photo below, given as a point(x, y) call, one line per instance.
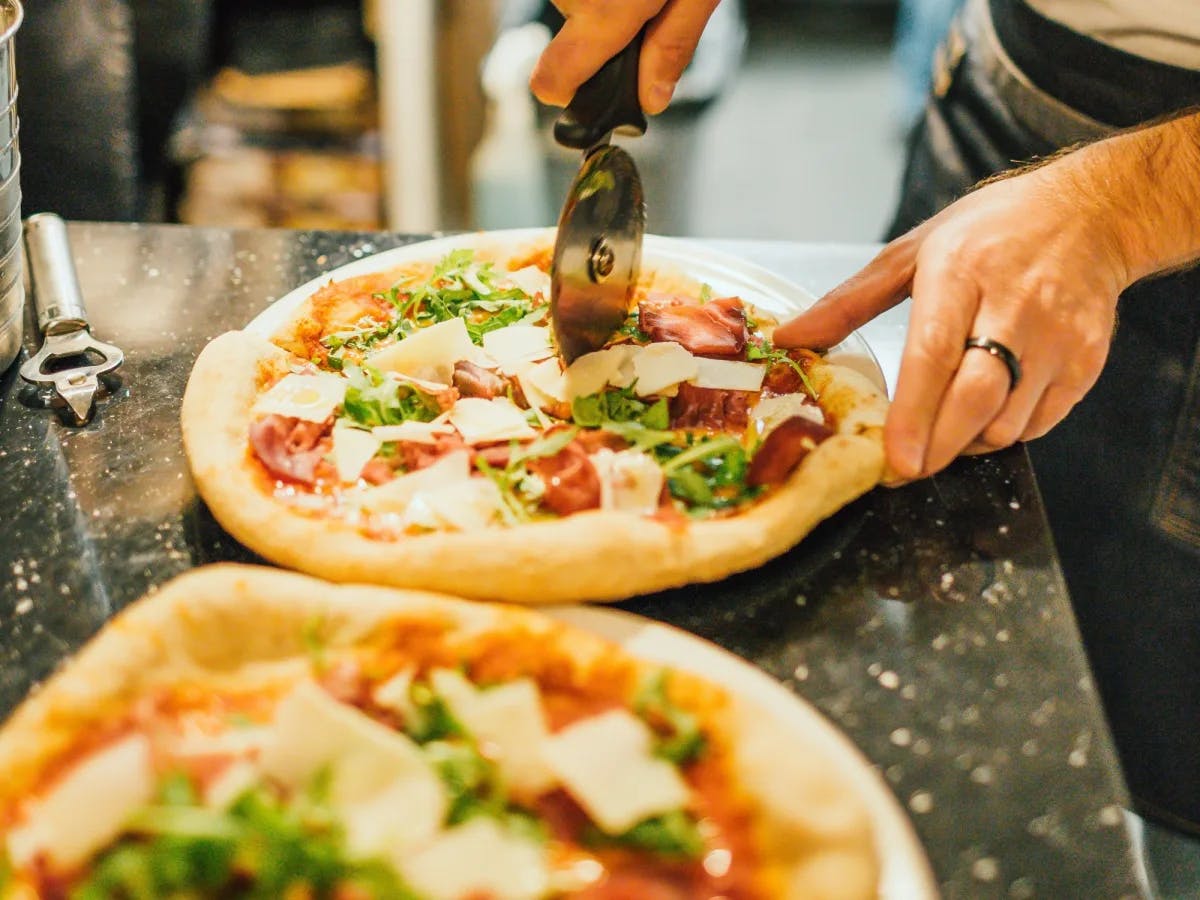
point(1001, 353)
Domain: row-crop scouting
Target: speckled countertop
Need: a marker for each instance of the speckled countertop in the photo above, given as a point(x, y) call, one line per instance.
point(930, 623)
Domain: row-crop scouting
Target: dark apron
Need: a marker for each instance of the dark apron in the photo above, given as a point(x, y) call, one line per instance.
point(1120, 477)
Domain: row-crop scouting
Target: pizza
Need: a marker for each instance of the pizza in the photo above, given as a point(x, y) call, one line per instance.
point(415, 427)
point(249, 732)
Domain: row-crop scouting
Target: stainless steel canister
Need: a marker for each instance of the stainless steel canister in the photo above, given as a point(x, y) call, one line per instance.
point(12, 290)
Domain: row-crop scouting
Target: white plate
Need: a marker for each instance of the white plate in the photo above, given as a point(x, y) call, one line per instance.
point(905, 872)
point(728, 275)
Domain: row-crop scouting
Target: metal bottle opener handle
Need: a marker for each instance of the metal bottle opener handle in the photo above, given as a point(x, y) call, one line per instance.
point(62, 319)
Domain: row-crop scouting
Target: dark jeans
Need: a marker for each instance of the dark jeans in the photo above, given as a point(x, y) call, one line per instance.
point(1120, 477)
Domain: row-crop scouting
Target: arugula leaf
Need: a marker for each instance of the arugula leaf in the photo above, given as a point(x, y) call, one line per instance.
point(766, 351)
point(686, 741)
point(619, 405)
point(709, 475)
point(547, 445)
point(372, 399)
point(674, 835)
point(432, 719)
point(639, 435)
point(470, 780)
point(632, 327)
point(261, 847)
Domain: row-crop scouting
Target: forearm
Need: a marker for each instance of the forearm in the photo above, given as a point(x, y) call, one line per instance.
point(1143, 187)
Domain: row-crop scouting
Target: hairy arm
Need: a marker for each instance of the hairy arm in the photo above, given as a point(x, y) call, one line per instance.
point(1034, 259)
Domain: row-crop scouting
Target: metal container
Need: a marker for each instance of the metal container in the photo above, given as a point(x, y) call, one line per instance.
point(12, 290)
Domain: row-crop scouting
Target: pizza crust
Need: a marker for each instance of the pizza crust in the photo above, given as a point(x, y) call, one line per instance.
point(245, 625)
point(594, 555)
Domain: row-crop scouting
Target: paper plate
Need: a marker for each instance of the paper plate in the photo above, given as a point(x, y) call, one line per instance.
point(905, 872)
point(728, 275)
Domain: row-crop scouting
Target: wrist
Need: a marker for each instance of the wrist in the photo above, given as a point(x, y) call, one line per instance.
point(1140, 193)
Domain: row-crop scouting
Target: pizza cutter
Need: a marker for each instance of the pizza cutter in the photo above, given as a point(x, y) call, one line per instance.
point(598, 249)
point(62, 319)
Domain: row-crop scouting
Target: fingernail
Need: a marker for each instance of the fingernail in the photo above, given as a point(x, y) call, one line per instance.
point(660, 96)
point(908, 459)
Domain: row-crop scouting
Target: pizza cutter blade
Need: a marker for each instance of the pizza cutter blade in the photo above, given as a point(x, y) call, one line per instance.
point(598, 248)
point(62, 319)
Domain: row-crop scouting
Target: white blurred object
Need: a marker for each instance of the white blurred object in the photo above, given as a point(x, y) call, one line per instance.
point(508, 175)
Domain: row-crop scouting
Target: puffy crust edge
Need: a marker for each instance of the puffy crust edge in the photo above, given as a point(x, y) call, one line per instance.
point(217, 623)
point(578, 558)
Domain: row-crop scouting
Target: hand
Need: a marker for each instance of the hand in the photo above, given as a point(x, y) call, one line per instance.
point(1033, 262)
point(597, 30)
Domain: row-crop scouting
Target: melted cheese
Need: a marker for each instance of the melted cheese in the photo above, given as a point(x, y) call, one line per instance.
point(311, 397)
point(428, 353)
point(86, 809)
point(662, 365)
point(730, 375)
point(517, 344)
point(630, 481)
point(352, 450)
point(508, 723)
point(482, 421)
point(607, 764)
point(396, 495)
point(478, 859)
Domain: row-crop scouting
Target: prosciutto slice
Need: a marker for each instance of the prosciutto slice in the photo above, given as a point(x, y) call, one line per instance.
point(572, 482)
point(713, 408)
point(716, 328)
point(290, 448)
point(784, 448)
point(475, 381)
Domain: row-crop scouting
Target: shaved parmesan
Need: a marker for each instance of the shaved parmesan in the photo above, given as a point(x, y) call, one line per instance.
point(630, 481)
point(87, 808)
point(428, 353)
point(352, 450)
point(729, 375)
point(546, 378)
point(416, 432)
point(770, 412)
point(517, 344)
point(397, 494)
point(531, 280)
point(482, 421)
point(591, 372)
point(479, 858)
point(508, 723)
point(313, 730)
point(401, 815)
point(662, 365)
point(235, 780)
point(311, 397)
point(395, 693)
point(607, 764)
point(464, 506)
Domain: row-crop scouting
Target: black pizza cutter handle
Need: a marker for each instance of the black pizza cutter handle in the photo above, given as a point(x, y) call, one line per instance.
point(606, 102)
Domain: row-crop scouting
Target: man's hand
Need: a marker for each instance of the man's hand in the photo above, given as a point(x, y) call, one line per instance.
point(1034, 262)
point(597, 30)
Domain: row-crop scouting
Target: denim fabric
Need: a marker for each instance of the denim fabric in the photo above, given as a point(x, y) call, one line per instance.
point(1120, 477)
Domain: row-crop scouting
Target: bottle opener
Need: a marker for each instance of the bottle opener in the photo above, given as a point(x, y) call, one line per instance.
point(62, 320)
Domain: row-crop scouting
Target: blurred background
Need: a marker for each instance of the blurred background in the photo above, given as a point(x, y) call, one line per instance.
point(413, 115)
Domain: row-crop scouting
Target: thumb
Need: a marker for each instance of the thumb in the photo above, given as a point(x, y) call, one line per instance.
point(884, 282)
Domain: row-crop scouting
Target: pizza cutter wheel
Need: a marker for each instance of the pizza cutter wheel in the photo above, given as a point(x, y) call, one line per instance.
point(62, 320)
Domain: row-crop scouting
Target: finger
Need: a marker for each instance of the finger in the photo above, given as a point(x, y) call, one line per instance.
point(974, 398)
point(944, 305)
point(1010, 424)
point(670, 42)
point(589, 38)
point(884, 282)
point(1051, 409)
